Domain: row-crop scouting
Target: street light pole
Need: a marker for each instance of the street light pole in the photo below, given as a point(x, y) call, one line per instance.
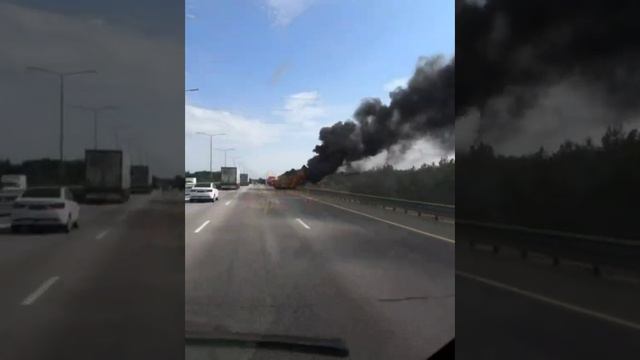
point(61, 76)
point(61, 121)
point(210, 150)
point(95, 130)
point(225, 154)
point(95, 110)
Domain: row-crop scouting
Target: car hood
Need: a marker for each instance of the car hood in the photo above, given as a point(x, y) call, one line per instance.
point(222, 337)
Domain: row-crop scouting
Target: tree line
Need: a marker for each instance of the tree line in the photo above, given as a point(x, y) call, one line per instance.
point(581, 187)
point(205, 176)
point(42, 172)
point(430, 182)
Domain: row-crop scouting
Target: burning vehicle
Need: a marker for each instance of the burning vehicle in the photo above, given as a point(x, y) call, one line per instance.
point(291, 179)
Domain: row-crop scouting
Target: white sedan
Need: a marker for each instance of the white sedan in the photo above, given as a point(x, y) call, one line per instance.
point(45, 207)
point(203, 192)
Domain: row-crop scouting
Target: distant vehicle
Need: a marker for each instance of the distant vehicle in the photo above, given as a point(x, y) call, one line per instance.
point(244, 179)
point(108, 176)
point(189, 182)
point(12, 186)
point(203, 192)
point(52, 206)
point(140, 179)
point(228, 178)
point(271, 180)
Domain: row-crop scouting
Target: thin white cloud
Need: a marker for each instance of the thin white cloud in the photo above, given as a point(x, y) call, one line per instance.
point(396, 83)
point(265, 145)
point(240, 131)
point(303, 108)
point(283, 12)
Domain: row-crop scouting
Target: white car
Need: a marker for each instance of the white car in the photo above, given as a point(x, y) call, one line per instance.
point(45, 207)
point(203, 192)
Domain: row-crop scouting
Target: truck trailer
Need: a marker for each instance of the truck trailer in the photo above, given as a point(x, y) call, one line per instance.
point(228, 178)
point(108, 176)
point(244, 179)
point(140, 179)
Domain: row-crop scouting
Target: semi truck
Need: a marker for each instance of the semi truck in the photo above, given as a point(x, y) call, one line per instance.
point(11, 187)
point(140, 179)
point(108, 177)
point(228, 178)
point(244, 179)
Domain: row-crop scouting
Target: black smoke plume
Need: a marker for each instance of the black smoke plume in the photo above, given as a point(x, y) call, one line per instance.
point(518, 49)
point(424, 108)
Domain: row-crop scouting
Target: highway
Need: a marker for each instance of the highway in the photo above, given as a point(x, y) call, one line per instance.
point(513, 309)
point(112, 289)
point(273, 262)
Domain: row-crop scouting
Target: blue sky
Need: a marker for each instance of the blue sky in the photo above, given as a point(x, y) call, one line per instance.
point(271, 73)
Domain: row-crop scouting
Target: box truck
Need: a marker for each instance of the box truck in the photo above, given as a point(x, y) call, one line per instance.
point(108, 176)
point(244, 179)
point(228, 178)
point(140, 179)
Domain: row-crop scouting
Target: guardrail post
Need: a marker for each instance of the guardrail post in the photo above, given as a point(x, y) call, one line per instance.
point(556, 261)
point(436, 218)
point(596, 270)
point(523, 253)
point(496, 249)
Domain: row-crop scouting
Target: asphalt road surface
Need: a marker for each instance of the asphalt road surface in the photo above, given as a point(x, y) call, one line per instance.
point(273, 262)
point(112, 289)
point(508, 308)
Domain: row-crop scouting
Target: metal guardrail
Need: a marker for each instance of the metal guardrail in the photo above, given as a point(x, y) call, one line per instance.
point(597, 252)
point(420, 207)
point(593, 251)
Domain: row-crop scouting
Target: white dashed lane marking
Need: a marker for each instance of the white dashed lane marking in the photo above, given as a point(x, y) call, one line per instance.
point(102, 234)
point(303, 224)
point(39, 291)
point(201, 227)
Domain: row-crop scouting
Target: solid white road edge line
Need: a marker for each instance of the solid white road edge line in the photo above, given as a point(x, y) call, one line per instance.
point(302, 223)
point(384, 221)
point(201, 226)
point(39, 291)
point(551, 301)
